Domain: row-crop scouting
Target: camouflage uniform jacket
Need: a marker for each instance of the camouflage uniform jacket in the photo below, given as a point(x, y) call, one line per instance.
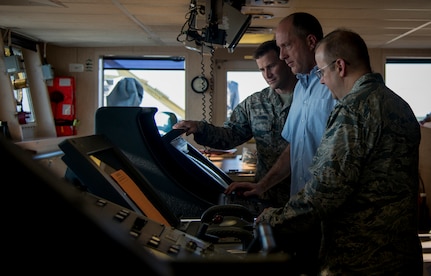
point(261, 115)
point(364, 186)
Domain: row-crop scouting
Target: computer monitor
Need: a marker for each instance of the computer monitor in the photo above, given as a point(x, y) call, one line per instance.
point(189, 158)
point(236, 26)
point(103, 170)
point(134, 131)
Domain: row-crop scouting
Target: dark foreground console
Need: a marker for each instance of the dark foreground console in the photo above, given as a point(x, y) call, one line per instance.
point(51, 227)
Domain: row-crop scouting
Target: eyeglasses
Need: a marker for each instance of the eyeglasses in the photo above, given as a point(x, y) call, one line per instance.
point(319, 72)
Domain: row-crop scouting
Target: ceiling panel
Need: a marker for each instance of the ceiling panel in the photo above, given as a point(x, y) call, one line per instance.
point(108, 23)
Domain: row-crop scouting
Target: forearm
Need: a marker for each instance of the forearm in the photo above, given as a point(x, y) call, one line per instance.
point(221, 137)
point(279, 171)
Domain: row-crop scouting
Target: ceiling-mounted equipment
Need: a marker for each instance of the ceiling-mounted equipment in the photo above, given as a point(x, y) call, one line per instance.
point(223, 25)
point(274, 3)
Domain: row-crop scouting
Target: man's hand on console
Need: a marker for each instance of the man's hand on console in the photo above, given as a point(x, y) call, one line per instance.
point(190, 126)
point(244, 189)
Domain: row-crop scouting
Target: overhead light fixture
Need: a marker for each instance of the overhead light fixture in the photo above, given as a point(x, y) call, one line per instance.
point(272, 2)
point(259, 30)
point(258, 15)
point(257, 35)
point(255, 39)
point(267, 2)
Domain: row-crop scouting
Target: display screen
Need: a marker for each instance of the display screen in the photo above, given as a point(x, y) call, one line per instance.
point(106, 172)
point(188, 181)
point(213, 173)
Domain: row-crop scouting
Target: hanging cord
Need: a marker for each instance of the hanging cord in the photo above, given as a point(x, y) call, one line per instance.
point(211, 86)
point(7, 36)
point(203, 94)
point(44, 54)
point(9, 42)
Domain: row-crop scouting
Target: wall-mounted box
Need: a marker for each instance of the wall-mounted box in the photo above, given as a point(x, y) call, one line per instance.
point(47, 72)
point(13, 64)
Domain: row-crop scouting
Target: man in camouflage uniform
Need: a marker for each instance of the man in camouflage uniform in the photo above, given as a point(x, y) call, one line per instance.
point(364, 185)
point(260, 116)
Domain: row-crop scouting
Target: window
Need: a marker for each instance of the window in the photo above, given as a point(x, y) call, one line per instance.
point(162, 80)
point(410, 78)
point(241, 84)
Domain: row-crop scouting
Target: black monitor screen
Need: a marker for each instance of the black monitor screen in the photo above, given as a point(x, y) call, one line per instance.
point(169, 170)
point(187, 156)
point(106, 172)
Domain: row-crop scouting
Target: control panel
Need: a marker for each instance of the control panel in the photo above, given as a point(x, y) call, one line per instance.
point(164, 241)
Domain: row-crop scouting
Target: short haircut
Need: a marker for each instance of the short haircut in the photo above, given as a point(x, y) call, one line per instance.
point(306, 24)
point(348, 45)
point(266, 47)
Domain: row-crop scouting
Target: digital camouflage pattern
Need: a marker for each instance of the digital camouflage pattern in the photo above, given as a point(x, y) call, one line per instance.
point(364, 188)
point(261, 115)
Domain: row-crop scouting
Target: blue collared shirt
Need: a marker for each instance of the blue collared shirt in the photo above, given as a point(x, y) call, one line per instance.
point(305, 125)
